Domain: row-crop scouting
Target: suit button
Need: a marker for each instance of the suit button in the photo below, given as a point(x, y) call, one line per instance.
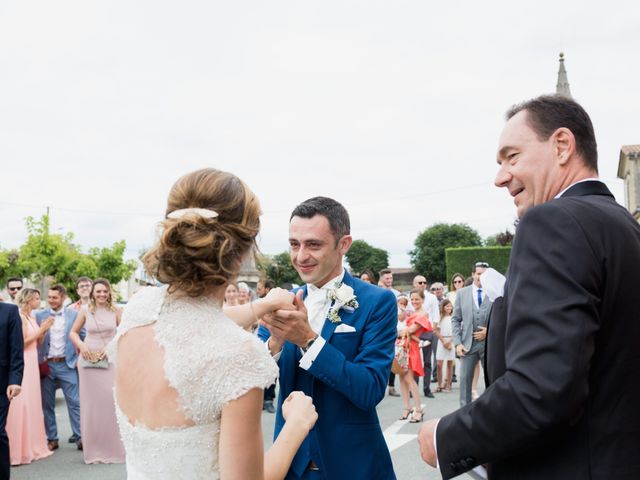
point(454, 466)
point(471, 460)
point(463, 463)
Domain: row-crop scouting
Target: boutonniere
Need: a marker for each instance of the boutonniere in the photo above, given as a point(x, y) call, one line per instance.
point(342, 296)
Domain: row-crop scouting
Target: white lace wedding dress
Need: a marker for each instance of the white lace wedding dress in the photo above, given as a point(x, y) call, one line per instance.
point(209, 361)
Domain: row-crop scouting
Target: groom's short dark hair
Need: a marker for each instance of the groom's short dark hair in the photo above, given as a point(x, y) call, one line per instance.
point(333, 211)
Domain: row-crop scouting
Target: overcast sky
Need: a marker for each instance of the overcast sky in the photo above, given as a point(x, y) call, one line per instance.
point(393, 108)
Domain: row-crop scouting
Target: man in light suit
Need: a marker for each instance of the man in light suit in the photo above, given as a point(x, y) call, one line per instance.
point(469, 325)
point(339, 356)
point(61, 356)
point(562, 347)
point(11, 369)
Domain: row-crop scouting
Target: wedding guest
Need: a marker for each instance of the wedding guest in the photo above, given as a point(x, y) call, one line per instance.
point(457, 282)
point(14, 285)
point(445, 354)
point(231, 295)
point(25, 423)
point(416, 323)
point(101, 437)
point(245, 295)
point(368, 276)
point(60, 357)
point(83, 289)
point(12, 361)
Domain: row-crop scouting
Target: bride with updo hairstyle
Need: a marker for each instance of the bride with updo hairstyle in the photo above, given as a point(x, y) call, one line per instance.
point(189, 379)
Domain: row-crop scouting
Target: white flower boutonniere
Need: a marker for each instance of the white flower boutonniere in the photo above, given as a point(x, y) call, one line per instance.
point(343, 297)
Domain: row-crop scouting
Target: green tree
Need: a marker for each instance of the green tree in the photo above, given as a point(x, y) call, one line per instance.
point(362, 256)
point(279, 269)
point(110, 262)
point(54, 257)
point(428, 256)
point(502, 239)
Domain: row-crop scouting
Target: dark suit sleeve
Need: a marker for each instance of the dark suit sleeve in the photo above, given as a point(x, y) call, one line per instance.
point(364, 380)
point(16, 348)
point(552, 318)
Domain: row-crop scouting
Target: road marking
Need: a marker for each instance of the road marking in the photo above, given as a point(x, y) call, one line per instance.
point(394, 439)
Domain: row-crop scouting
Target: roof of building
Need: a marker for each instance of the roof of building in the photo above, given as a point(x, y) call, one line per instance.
point(628, 149)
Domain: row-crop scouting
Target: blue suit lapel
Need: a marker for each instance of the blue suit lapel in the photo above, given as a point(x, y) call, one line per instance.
point(329, 327)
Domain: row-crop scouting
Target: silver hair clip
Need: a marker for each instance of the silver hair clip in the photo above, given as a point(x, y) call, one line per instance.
point(202, 212)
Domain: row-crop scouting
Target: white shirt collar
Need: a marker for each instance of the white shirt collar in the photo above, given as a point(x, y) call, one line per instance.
point(311, 288)
point(593, 179)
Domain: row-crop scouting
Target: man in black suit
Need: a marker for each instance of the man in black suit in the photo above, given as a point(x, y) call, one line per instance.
point(563, 367)
point(11, 367)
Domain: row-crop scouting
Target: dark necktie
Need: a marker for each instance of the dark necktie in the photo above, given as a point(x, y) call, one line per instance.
point(479, 297)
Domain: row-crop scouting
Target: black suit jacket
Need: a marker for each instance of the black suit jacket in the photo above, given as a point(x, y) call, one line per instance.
point(563, 352)
point(11, 347)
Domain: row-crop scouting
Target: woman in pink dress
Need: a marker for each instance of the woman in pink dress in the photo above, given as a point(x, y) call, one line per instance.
point(25, 423)
point(417, 323)
point(100, 434)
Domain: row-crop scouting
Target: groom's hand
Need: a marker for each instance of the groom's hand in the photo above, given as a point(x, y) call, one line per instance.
point(425, 440)
point(292, 325)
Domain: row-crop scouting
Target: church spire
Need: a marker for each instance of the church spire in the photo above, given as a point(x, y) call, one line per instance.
point(562, 87)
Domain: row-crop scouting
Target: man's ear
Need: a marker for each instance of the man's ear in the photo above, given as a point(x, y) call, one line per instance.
point(344, 244)
point(564, 144)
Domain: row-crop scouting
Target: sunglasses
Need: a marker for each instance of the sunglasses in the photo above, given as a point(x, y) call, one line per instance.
point(421, 283)
point(482, 264)
point(14, 289)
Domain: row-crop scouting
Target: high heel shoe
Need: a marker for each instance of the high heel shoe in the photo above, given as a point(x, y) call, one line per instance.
point(417, 416)
point(405, 413)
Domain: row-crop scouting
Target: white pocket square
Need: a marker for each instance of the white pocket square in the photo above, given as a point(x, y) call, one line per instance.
point(344, 328)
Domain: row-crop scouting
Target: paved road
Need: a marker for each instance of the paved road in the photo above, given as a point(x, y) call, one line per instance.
point(67, 463)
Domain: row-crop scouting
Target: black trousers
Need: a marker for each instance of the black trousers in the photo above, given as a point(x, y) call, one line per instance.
point(426, 359)
point(5, 461)
point(270, 393)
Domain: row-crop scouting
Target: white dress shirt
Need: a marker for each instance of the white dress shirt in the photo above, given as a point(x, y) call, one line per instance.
point(56, 335)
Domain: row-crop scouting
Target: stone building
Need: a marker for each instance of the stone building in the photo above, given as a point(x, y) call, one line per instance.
point(629, 172)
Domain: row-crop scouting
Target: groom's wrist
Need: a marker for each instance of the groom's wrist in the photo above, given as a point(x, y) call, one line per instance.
point(308, 343)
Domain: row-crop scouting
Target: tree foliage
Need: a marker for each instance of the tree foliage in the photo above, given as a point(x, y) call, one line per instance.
point(502, 239)
point(428, 256)
point(279, 269)
point(362, 256)
point(55, 257)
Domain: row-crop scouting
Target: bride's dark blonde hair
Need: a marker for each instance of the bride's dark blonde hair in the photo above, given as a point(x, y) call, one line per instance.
point(196, 254)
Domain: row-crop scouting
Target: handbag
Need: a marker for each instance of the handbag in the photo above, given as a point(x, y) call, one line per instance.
point(44, 369)
point(100, 363)
point(401, 358)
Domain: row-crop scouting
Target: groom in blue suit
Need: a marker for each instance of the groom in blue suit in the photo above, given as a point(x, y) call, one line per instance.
point(336, 346)
point(61, 356)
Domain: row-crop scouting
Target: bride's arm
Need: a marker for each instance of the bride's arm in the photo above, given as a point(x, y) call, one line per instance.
point(247, 314)
point(300, 416)
point(241, 448)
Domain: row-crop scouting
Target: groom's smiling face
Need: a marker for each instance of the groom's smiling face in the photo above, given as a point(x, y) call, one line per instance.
point(315, 253)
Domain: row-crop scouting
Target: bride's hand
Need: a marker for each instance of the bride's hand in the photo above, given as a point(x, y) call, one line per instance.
point(299, 409)
point(280, 299)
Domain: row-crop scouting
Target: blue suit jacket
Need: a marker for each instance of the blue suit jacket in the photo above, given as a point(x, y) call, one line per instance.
point(70, 352)
point(349, 379)
point(11, 347)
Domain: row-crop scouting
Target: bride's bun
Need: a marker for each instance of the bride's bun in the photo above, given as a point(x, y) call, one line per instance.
point(195, 254)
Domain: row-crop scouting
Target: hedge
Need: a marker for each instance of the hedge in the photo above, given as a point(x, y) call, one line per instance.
point(462, 259)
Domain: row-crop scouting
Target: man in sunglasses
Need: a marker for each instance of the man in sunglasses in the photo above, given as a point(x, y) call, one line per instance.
point(14, 285)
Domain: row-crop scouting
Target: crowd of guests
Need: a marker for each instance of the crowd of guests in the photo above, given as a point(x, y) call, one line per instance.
point(425, 322)
point(65, 347)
